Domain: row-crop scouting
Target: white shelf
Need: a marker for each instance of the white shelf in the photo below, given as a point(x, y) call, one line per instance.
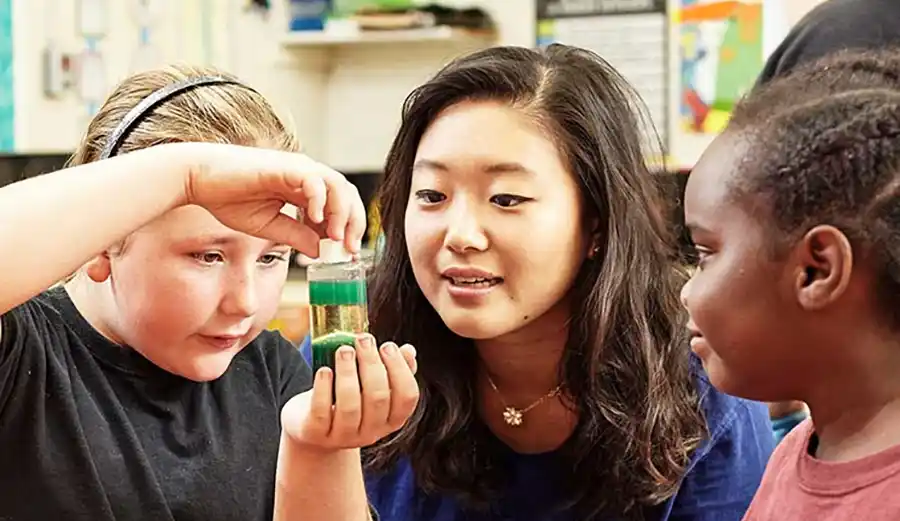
point(328, 38)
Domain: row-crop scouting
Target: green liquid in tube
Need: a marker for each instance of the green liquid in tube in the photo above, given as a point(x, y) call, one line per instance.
point(338, 313)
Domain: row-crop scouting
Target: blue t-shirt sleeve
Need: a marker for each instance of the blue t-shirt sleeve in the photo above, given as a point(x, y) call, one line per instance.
point(727, 470)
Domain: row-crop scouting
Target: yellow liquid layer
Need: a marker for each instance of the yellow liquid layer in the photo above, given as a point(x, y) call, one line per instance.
point(325, 320)
point(334, 326)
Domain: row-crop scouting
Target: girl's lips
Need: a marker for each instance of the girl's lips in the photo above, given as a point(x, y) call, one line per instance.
point(471, 291)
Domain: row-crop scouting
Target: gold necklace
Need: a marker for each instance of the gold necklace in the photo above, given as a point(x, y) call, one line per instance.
point(515, 417)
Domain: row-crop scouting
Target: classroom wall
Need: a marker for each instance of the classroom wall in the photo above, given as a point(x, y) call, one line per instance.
point(344, 101)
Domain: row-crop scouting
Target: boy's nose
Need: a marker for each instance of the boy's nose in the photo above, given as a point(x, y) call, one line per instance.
point(240, 298)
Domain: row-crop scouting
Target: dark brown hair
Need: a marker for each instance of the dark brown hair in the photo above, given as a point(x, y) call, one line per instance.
point(825, 149)
point(626, 365)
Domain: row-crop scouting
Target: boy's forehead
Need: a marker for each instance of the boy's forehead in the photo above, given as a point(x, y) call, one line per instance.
point(189, 224)
point(187, 220)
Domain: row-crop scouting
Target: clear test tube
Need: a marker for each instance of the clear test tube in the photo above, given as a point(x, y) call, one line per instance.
point(337, 302)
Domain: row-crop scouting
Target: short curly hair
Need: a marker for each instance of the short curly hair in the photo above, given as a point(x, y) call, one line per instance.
point(824, 148)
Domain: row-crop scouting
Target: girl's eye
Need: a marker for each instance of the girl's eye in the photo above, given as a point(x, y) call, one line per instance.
point(700, 256)
point(273, 258)
point(430, 196)
point(508, 200)
point(208, 257)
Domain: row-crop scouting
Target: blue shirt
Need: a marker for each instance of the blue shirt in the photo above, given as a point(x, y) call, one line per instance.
point(721, 478)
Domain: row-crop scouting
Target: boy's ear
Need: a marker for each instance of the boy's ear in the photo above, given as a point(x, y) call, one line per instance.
point(98, 268)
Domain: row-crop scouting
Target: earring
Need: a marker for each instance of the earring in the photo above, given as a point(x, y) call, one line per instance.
point(594, 252)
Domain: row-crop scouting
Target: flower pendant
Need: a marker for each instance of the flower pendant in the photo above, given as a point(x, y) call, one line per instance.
point(512, 416)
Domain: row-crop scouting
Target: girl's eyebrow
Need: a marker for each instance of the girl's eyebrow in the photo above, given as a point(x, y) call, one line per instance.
point(693, 227)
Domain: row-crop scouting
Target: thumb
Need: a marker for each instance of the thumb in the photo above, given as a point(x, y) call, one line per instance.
point(296, 409)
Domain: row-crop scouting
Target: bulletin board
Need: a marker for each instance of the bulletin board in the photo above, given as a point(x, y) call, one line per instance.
point(7, 89)
point(632, 35)
point(720, 49)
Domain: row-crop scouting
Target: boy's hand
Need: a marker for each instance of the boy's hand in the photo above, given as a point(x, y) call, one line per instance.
point(375, 391)
point(246, 189)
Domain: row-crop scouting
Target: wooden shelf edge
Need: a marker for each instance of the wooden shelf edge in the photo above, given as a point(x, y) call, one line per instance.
point(327, 38)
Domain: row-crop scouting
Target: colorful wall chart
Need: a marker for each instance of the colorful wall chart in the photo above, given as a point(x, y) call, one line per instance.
point(7, 94)
point(721, 54)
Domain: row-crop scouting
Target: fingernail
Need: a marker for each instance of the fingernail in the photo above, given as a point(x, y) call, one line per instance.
point(324, 373)
point(347, 353)
point(413, 350)
point(389, 349)
point(366, 341)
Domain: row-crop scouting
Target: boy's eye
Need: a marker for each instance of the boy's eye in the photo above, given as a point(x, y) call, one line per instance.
point(208, 257)
point(430, 196)
point(508, 200)
point(273, 258)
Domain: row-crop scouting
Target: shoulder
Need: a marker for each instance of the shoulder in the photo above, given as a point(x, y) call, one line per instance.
point(794, 444)
point(726, 469)
point(729, 416)
point(740, 433)
point(781, 477)
point(281, 362)
point(743, 426)
point(35, 322)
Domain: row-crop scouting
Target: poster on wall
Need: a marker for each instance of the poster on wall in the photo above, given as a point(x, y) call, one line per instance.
point(720, 53)
point(7, 91)
point(632, 35)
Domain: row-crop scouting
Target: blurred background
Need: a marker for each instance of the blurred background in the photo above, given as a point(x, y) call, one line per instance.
point(340, 69)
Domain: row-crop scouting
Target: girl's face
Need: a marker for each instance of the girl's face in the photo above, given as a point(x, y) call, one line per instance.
point(493, 223)
point(740, 311)
point(189, 293)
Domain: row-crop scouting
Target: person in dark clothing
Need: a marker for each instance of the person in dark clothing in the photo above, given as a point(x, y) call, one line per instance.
point(145, 387)
point(832, 26)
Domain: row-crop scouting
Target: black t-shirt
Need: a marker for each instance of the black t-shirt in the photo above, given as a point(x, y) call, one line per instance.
point(90, 430)
point(832, 26)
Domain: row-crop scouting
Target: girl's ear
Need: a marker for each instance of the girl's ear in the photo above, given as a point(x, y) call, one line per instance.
point(98, 268)
point(825, 267)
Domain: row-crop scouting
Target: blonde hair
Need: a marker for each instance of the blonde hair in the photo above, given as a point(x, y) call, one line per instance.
point(218, 113)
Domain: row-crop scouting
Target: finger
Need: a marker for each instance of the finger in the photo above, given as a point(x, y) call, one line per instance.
point(284, 229)
point(337, 208)
point(409, 354)
point(348, 400)
point(376, 389)
point(303, 185)
point(320, 411)
point(356, 223)
point(404, 389)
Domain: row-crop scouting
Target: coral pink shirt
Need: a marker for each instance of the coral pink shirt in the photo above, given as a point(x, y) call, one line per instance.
point(796, 486)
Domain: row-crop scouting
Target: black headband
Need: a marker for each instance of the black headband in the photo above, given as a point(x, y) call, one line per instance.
point(132, 119)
